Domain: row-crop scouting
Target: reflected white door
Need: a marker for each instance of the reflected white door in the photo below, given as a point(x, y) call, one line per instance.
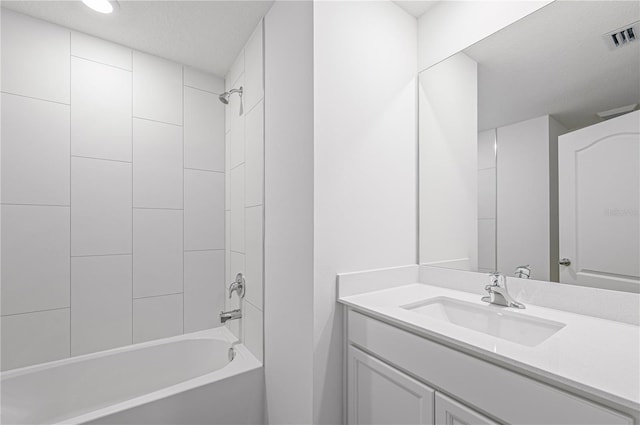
point(599, 189)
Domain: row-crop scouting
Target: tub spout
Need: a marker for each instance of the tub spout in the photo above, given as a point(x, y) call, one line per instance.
point(230, 315)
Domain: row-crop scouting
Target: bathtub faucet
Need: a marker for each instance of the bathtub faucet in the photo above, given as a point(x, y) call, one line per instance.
point(230, 315)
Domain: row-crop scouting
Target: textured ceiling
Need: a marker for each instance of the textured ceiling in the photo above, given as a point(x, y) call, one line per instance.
point(204, 34)
point(555, 61)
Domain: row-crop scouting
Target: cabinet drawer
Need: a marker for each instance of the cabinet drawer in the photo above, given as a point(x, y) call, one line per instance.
point(505, 394)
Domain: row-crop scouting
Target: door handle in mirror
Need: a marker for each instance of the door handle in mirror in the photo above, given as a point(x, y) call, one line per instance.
point(565, 262)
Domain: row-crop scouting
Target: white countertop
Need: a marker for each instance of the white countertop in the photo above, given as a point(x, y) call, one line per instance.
point(595, 356)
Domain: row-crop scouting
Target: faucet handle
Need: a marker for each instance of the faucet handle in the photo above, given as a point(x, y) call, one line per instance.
point(497, 279)
point(238, 286)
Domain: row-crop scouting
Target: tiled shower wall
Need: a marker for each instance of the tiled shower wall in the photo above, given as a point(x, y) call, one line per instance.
point(245, 190)
point(113, 205)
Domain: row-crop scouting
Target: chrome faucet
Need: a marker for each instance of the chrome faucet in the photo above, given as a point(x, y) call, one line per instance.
point(523, 272)
point(230, 315)
point(498, 293)
point(238, 286)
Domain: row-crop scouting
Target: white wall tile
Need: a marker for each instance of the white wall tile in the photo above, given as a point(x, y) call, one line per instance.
point(203, 210)
point(98, 50)
point(237, 209)
point(157, 252)
point(487, 193)
point(157, 317)
point(237, 126)
point(203, 130)
point(227, 246)
point(254, 157)
point(157, 165)
point(254, 257)
point(487, 148)
point(203, 81)
point(252, 329)
point(35, 58)
point(253, 75)
point(100, 110)
point(35, 151)
point(236, 266)
point(35, 258)
point(157, 89)
point(204, 289)
point(101, 314)
point(227, 171)
point(101, 207)
point(487, 244)
point(33, 338)
point(236, 70)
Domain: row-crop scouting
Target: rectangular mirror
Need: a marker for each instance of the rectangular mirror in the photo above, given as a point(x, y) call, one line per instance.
point(529, 147)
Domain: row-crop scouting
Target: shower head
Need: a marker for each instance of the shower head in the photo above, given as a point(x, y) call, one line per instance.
point(224, 97)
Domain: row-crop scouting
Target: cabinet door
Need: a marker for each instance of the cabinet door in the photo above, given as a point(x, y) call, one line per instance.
point(450, 412)
point(381, 394)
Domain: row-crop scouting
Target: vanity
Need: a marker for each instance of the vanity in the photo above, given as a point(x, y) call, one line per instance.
point(528, 165)
point(422, 353)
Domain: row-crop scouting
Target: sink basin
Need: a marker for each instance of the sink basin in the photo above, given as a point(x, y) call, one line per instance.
point(492, 320)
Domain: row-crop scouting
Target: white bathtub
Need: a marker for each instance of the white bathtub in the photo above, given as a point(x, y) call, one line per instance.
point(186, 379)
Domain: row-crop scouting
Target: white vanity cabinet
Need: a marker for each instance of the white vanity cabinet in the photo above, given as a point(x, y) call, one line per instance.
point(398, 377)
point(382, 394)
point(450, 412)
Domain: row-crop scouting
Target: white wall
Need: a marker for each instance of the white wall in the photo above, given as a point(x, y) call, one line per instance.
point(487, 200)
point(448, 163)
point(364, 167)
point(288, 296)
point(527, 208)
point(244, 190)
point(112, 195)
point(451, 26)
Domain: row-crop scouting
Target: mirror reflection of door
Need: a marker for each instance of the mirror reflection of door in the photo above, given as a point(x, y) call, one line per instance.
point(599, 188)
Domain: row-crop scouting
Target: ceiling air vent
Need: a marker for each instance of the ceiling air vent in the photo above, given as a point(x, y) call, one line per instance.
point(623, 36)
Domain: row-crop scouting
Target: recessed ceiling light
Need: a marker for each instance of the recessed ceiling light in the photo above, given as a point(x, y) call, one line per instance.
point(102, 6)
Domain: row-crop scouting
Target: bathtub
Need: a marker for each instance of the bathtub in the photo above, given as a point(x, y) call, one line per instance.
point(187, 379)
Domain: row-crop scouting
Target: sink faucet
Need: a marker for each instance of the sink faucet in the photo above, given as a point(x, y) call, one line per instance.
point(498, 293)
point(230, 315)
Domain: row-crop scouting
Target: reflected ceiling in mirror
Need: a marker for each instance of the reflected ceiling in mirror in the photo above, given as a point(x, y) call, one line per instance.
point(492, 121)
point(558, 61)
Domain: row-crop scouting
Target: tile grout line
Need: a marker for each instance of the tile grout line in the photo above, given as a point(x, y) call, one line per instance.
point(158, 208)
point(101, 255)
point(158, 121)
point(236, 166)
point(200, 89)
point(101, 159)
point(204, 250)
point(44, 311)
point(101, 63)
point(70, 184)
point(132, 209)
point(12, 204)
point(200, 169)
point(252, 305)
point(37, 98)
point(183, 184)
point(159, 295)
